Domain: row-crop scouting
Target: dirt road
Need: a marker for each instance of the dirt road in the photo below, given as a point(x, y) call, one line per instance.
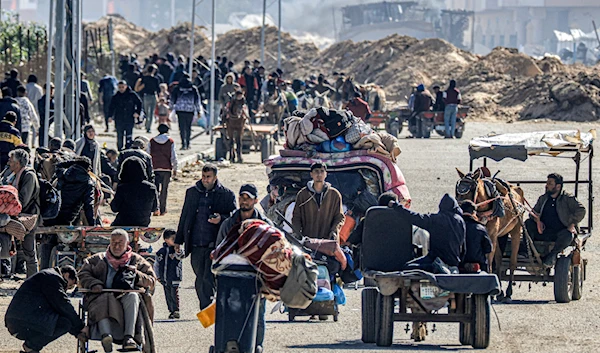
point(532, 323)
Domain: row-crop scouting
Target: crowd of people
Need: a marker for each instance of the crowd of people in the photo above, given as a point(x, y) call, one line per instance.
point(135, 178)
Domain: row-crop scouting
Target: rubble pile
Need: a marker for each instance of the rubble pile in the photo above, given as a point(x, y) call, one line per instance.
point(240, 45)
point(504, 84)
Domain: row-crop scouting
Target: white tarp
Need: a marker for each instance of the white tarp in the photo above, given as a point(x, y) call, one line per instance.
point(537, 142)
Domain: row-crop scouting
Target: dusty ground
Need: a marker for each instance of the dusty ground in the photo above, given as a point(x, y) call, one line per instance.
point(533, 323)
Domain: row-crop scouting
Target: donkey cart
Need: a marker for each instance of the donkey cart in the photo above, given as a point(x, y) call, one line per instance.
point(569, 272)
point(261, 137)
point(421, 296)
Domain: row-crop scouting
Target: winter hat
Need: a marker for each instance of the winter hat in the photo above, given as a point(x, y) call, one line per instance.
point(163, 128)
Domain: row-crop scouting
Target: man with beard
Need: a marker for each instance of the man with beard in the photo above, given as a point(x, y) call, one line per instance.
point(248, 198)
point(207, 204)
point(555, 217)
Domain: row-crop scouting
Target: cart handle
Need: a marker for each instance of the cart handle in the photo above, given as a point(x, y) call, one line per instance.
point(108, 290)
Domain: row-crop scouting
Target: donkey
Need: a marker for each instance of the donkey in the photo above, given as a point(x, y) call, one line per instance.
point(319, 100)
point(236, 115)
point(275, 107)
point(472, 186)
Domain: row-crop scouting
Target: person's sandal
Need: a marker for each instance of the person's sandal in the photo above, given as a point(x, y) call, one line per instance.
point(129, 344)
point(107, 343)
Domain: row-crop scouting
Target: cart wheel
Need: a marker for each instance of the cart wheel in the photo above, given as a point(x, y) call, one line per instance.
point(384, 320)
point(211, 349)
point(369, 308)
point(394, 128)
point(335, 317)
point(465, 335)
point(291, 317)
point(323, 317)
point(271, 146)
point(481, 325)
point(53, 255)
point(220, 151)
point(577, 283)
point(458, 133)
point(563, 280)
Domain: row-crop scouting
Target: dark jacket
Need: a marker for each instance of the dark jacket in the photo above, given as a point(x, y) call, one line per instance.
point(186, 98)
point(10, 105)
point(423, 101)
point(452, 96)
point(77, 192)
point(136, 197)
point(236, 218)
point(569, 209)
point(141, 154)
point(40, 302)
point(446, 229)
point(29, 192)
point(168, 266)
point(9, 139)
point(222, 201)
point(439, 104)
point(124, 105)
point(107, 168)
point(13, 84)
point(41, 105)
point(478, 243)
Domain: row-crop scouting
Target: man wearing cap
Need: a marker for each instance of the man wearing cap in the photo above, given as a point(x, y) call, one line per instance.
point(248, 198)
point(9, 137)
point(318, 212)
point(125, 107)
point(164, 159)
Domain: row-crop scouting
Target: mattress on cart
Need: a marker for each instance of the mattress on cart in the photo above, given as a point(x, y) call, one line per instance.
point(482, 283)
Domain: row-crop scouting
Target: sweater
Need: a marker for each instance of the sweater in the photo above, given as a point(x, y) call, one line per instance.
point(162, 150)
point(322, 218)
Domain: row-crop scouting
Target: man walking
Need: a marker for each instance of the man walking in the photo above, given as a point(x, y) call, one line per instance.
point(107, 87)
point(207, 204)
point(164, 160)
point(30, 122)
point(125, 108)
point(318, 212)
point(452, 99)
point(34, 91)
point(10, 104)
point(40, 311)
point(248, 198)
point(148, 86)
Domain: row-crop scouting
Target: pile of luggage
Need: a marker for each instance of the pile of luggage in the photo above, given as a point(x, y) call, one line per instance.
point(285, 272)
point(334, 131)
point(13, 224)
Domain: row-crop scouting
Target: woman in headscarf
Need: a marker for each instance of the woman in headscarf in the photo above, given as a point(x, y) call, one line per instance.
point(87, 146)
point(136, 198)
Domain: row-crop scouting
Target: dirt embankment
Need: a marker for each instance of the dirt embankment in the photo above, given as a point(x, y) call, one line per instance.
point(504, 84)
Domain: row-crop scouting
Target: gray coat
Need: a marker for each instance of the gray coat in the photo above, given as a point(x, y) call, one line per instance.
point(569, 209)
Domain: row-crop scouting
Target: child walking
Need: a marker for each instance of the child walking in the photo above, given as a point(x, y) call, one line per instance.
point(168, 268)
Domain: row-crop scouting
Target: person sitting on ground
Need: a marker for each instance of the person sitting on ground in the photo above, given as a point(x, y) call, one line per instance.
point(169, 270)
point(40, 312)
point(87, 146)
point(447, 233)
point(10, 137)
point(318, 212)
point(113, 316)
point(108, 165)
point(136, 198)
point(555, 217)
point(138, 149)
point(477, 241)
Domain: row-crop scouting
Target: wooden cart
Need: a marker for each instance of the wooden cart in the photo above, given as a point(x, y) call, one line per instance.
point(260, 137)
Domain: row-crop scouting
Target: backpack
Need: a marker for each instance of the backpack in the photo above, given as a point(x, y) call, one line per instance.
point(187, 102)
point(49, 200)
point(336, 121)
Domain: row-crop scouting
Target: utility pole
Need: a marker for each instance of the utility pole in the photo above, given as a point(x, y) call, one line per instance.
point(262, 33)
point(78, 73)
point(191, 68)
point(278, 37)
point(48, 73)
point(70, 78)
point(59, 71)
point(212, 70)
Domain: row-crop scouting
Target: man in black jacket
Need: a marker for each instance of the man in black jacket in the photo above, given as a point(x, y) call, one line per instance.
point(447, 233)
point(478, 243)
point(125, 108)
point(9, 104)
point(207, 204)
point(9, 137)
point(40, 312)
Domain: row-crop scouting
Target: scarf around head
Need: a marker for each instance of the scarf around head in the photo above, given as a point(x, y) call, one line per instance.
point(118, 262)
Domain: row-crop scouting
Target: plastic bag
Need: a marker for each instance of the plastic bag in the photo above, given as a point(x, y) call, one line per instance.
point(340, 296)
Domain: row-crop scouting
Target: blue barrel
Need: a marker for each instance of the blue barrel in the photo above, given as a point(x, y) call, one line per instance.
point(238, 297)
